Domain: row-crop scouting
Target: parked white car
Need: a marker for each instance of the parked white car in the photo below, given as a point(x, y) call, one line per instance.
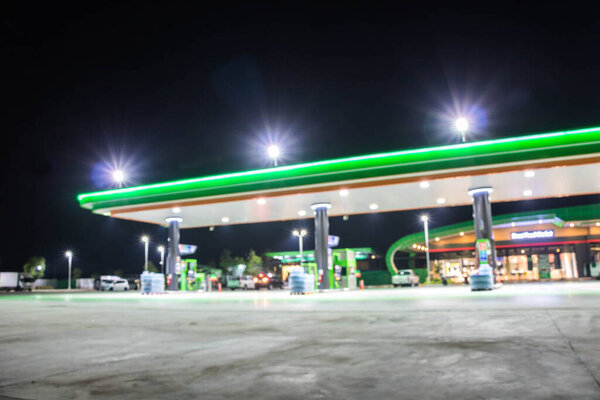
point(405, 277)
point(113, 284)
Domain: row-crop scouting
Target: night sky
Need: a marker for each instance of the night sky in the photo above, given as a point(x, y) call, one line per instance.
point(168, 91)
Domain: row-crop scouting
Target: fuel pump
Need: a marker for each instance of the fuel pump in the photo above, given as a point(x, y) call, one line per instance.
point(483, 279)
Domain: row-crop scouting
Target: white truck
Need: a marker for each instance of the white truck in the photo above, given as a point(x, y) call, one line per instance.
point(405, 277)
point(16, 281)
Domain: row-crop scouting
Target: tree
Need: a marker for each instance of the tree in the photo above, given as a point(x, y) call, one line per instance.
point(76, 274)
point(35, 266)
point(254, 263)
point(229, 260)
point(152, 267)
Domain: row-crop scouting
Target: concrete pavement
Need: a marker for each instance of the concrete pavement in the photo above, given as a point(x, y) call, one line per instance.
point(526, 341)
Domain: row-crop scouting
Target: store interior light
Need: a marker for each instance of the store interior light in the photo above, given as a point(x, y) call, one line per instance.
point(176, 210)
point(261, 200)
point(424, 184)
point(301, 213)
point(373, 206)
point(441, 200)
point(527, 193)
point(344, 192)
point(529, 174)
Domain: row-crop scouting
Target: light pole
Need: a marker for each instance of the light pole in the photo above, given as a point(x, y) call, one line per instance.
point(300, 235)
point(425, 220)
point(146, 240)
point(462, 125)
point(69, 255)
point(161, 250)
point(274, 152)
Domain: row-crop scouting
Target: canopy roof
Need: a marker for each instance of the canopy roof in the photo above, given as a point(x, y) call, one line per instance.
point(564, 164)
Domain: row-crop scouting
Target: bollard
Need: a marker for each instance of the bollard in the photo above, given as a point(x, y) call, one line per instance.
point(362, 284)
point(219, 286)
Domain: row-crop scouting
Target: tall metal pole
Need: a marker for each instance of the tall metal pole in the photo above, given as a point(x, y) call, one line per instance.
point(162, 259)
point(300, 242)
point(146, 255)
point(70, 257)
point(426, 227)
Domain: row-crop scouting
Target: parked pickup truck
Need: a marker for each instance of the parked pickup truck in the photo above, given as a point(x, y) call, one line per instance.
point(405, 277)
point(16, 281)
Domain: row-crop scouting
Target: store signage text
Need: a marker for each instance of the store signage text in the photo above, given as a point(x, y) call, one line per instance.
point(546, 233)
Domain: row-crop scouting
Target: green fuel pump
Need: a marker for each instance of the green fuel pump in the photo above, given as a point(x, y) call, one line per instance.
point(483, 279)
point(188, 278)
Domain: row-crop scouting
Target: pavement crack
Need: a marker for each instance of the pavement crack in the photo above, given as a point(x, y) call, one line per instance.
point(587, 368)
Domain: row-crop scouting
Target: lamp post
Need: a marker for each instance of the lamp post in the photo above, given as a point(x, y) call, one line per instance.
point(300, 235)
point(161, 250)
point(69, 255)
point(425, 220)
point(146, 240)
point(274, 152)
point(462, 125)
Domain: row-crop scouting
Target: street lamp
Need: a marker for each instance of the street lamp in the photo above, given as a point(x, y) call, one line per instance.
point(69, 255)
point(300, 235)
point(161, 250)
point(425, 220)
point(119, 176)
point(462, 125)
point(146, 240)
point(274, 153)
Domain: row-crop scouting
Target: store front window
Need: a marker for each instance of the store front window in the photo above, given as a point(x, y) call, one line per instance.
point(537, 263)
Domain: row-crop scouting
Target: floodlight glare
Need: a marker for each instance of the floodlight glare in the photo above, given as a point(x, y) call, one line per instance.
point(145, 239)
point(296, 233)
point(274, 153)
point(424, 218)
point(68, 253)
point(462, 125)
point(161, 248)
point(118, 176)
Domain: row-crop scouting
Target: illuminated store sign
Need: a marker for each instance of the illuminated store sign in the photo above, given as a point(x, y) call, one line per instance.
point(546, 233)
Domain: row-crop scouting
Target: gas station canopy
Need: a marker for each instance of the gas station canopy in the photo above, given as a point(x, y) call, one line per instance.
point(546, 165)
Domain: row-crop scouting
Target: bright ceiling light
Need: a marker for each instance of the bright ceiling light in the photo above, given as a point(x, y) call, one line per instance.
point(225, 219)
point(462, 234)
point(441, 200)
point(437, 239)
point(344, 192)
point(424, 184)
point(572, 225)
point(261, 200)
point(176, 210)
point(529, 174)
point(301, 213)
point(373, 206)
point(527, 193)
point(513, 224)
